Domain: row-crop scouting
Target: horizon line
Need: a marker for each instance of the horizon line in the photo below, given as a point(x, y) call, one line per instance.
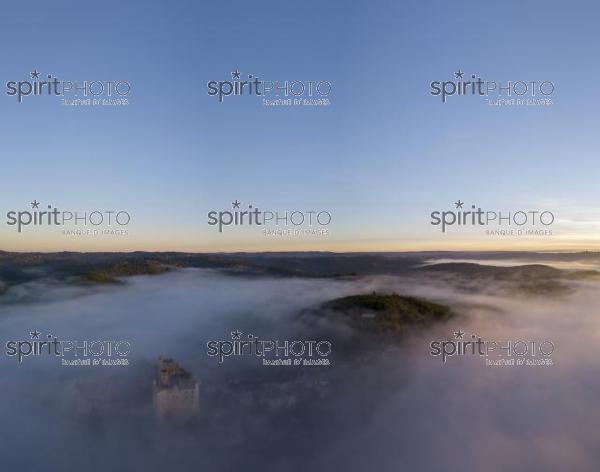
point(534, 251)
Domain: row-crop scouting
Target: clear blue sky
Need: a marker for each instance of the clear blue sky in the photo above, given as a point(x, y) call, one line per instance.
point(380, 158)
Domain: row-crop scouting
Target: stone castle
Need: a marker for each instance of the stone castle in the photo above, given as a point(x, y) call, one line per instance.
point(176, 392)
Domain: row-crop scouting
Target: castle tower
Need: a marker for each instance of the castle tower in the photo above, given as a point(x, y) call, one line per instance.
point(176, 392)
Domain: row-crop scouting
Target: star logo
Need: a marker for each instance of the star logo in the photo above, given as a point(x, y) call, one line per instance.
point(236, 204)
point(236, 334)
point(459, 74)
point(459, 204)
point(35, 74)
point(458, 334)
point(35, 204)
point(235, 74)
point(35, 334)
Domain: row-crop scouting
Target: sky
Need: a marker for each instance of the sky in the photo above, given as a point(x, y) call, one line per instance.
point(380, 158)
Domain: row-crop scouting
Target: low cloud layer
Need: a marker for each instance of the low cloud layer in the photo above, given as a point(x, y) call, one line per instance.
point(395, 408)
